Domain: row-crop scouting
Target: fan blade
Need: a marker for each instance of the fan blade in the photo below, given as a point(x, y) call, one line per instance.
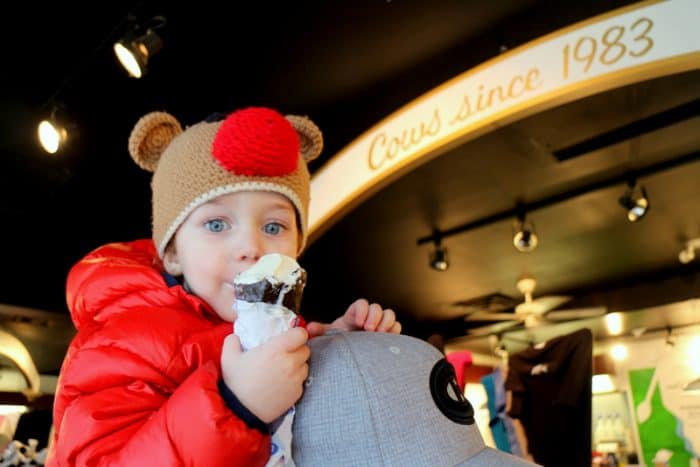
point(542, 305)
point(493, 328)
point(576, 313)
point(491, 302)
point(486, 316)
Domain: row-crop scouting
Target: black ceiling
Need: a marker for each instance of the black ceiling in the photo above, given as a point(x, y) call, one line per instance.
point(345, 64)
point(348, 65)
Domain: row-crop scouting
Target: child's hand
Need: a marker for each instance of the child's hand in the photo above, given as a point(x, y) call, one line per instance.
point(267, 379)
point(360, 316)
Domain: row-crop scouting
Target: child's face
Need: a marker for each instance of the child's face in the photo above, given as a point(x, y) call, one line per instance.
point(226, 236)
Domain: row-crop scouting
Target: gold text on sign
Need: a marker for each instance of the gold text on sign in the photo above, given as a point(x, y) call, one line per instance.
point(384, 148)
point(610, 47)
point(485, 98)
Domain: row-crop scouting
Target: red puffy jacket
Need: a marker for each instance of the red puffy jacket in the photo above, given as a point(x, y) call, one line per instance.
point(138, 385)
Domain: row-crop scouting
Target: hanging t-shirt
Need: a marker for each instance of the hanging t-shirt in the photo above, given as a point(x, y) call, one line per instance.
point(501, 425)
point(551, 395)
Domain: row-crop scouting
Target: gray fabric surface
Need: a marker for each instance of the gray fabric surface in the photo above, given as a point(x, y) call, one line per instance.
point(367, 402)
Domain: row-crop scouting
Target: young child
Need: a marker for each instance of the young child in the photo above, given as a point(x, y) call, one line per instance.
point(154, 375)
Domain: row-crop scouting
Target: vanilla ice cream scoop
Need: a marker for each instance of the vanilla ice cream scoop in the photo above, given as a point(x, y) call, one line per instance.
point(268, 297)
point(275, 279)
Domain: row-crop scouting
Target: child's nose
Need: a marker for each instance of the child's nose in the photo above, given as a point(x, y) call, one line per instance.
point(248, 247)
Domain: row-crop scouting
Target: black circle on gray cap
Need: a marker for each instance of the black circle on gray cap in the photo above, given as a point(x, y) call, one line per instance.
point(447, 395)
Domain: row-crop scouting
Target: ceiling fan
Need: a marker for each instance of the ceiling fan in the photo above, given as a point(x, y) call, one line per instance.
point(530, 313)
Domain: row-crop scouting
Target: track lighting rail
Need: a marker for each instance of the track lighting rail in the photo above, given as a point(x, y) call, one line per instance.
point(558, 198)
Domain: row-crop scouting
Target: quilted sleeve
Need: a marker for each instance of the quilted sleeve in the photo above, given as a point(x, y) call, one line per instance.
point(142, 389)
point(138, 423)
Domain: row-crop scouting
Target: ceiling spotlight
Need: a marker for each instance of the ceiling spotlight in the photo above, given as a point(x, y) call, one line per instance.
point(635, 201)
point(687, 254)
point(52, 132)
point(524, 237)
point(136, 48)
point(438, 257)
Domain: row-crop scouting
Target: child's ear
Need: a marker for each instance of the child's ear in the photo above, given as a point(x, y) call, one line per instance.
point(171, 263)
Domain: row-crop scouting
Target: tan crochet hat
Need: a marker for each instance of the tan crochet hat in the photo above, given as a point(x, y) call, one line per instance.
point(253, 149)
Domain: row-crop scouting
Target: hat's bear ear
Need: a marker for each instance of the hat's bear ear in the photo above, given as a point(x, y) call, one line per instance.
point(150, 136)
point(310, 137)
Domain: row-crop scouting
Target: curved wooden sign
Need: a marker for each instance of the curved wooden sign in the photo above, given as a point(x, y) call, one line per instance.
point(632, 44)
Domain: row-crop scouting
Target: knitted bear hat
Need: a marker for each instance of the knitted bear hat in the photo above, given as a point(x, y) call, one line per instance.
point(253, 149)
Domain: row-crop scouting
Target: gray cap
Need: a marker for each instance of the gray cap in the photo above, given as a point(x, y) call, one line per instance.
point(376, 399)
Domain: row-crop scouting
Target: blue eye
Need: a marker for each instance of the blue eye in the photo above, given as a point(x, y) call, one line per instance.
point(216, 225)
point(273, 228)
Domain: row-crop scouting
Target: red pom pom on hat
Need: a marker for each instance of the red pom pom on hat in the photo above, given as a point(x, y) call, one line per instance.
point(257, 141)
